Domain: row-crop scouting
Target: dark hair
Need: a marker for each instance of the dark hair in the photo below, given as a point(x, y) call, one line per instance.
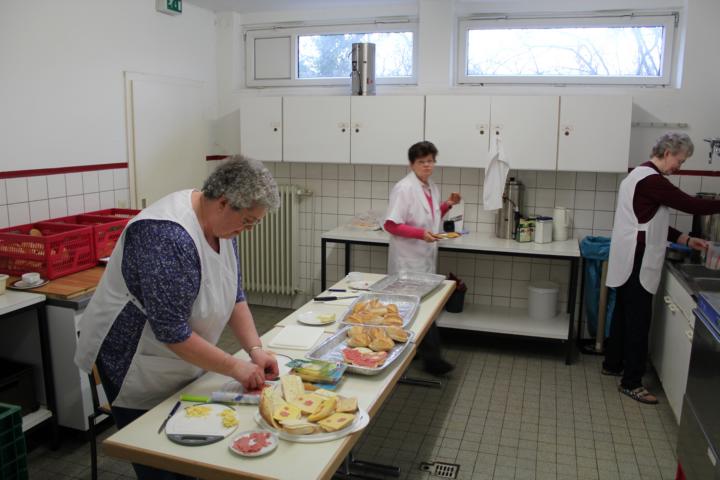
point(422, 149)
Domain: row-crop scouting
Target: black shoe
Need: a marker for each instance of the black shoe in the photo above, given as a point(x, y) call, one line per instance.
point(438, 367)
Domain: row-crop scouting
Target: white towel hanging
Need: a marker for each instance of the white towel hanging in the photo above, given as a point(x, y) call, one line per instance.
point(495, 175)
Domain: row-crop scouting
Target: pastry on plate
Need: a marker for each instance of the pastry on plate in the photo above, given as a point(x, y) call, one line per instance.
point(336, 421)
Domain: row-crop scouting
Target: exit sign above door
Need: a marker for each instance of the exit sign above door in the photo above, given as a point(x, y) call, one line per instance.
point(170, 7)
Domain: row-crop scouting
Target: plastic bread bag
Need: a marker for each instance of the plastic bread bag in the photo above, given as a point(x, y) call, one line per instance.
point(317, 371)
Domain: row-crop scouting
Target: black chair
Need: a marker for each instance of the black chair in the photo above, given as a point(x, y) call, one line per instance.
point(98, 410)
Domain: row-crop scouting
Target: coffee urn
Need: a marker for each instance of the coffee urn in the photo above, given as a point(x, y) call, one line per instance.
point(363, 69)
point(508, 215)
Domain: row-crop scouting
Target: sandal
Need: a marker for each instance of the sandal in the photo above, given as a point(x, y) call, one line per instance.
point(639, 394)
point(611, 373)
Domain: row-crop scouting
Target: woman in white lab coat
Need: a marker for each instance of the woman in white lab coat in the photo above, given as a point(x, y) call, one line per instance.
point(413, 217)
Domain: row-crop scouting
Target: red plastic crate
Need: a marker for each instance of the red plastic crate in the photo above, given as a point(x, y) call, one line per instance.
point(61, 250)
point(106, 230)
point(115, 212)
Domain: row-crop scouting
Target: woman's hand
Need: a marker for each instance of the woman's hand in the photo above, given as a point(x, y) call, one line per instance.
point(267, 362)
point(698, 244)
point(249, 374)
point(429, 237)
point(454, 199)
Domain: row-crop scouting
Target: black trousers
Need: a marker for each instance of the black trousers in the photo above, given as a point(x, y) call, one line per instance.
point(627, 347)
point(124, 416)
point(430, 349)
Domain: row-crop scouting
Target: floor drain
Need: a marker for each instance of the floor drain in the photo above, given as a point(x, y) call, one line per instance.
point(440, 469)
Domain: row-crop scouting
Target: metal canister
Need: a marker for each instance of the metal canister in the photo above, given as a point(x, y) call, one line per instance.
point(363, 69)
point(706, 226)
point(508, 216)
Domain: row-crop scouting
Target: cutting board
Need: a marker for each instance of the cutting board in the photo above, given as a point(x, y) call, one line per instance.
point(70, 286)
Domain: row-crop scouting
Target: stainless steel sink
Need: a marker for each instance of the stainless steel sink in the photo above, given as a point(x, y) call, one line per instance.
point(693, 271)
point(707, 284)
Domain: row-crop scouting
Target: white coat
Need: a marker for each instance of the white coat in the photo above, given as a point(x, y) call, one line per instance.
point(156, 372)
point(409, 205)
point(624, 237)
point(495, 175)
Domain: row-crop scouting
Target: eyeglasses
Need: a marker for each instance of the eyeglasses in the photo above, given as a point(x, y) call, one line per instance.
point(251, 224)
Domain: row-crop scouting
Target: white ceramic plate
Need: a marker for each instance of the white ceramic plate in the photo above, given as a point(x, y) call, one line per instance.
point(362, 418)
point(20, 285)
point(273, 440)
point(311, 318)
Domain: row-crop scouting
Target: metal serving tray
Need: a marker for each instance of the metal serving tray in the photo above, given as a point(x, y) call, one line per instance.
point(408, 283)
point(407, 306)
point(331, 351)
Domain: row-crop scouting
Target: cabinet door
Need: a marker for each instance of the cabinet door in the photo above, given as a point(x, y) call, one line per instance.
point(527, 127)
point(594, 133)
point(383, 128)
point(261, 128)
point(458, 125)
point(316, 129)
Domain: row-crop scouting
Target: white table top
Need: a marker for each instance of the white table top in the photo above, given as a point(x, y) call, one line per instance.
point(140, 441)
point(12, 300)
point(486, 242)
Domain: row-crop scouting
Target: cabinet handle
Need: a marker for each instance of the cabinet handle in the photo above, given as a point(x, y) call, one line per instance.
point(357, 130)
point(482, 132)
point(567, 133)
point(343, 130)
point(672, 308)
point(689, 335)
point(667, 299)
point(275, 129)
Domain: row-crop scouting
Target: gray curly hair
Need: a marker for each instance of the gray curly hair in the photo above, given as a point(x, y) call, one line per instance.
point(674, 143)
point(244, 182)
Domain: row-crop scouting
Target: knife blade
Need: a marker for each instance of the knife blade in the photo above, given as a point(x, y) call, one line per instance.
point(172, 412)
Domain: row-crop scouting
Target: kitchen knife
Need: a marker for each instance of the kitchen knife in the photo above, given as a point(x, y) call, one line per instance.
point(172, 412)
point(333, 298)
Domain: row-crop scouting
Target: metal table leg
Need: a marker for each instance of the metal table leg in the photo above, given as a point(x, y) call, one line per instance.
point(48, 372)
point(323, 264)
point(571, 308)
point(348, 245)
point(350, 464)
point(420, 382)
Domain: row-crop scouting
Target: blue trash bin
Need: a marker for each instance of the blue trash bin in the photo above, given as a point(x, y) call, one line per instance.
point(596, 250)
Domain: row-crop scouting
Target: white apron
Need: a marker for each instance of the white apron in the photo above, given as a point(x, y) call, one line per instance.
point(409, 205)
point(156, 372)
point(624, 237)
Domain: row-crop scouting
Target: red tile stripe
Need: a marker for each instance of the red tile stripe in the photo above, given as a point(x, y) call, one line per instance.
point(215, 157)
point(694, 173)
point(55, 171)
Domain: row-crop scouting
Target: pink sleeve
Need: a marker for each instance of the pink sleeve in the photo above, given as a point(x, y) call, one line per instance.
point(403, 230)
point(444, 207)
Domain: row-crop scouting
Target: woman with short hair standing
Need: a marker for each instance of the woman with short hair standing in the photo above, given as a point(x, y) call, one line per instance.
point(414, 215)
point(639, 240)
point(171, 286)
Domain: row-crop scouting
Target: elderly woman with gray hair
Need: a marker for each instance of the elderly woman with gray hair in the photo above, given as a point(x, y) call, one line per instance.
point(171, 286)
point(637, 252)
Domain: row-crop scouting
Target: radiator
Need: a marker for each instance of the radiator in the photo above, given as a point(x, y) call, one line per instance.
point(269, 252)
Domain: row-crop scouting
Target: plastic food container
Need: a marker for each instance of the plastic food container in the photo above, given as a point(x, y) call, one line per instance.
point(543, 230)
point(712, 256)
point(543, 300)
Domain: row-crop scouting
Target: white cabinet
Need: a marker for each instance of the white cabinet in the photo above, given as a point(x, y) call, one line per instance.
point(594, 133)
point(671, 340)
point(383, 128)
point(261, 128)
point(459, 126)
point(527, 127)
point(316, 129)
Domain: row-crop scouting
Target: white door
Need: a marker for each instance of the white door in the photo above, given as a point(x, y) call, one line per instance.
point(459, 126)
point(168, 136)
point(383, 128)
point(594, 133)
point(527, 126)
point(316, 129)
point(261, 128)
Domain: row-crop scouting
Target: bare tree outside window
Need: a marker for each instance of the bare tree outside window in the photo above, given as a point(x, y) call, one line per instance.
point(328, 56)
point(635, 51)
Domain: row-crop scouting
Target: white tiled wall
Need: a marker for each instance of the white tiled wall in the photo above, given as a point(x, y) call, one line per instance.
point(33, 199)
point(341, 191)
